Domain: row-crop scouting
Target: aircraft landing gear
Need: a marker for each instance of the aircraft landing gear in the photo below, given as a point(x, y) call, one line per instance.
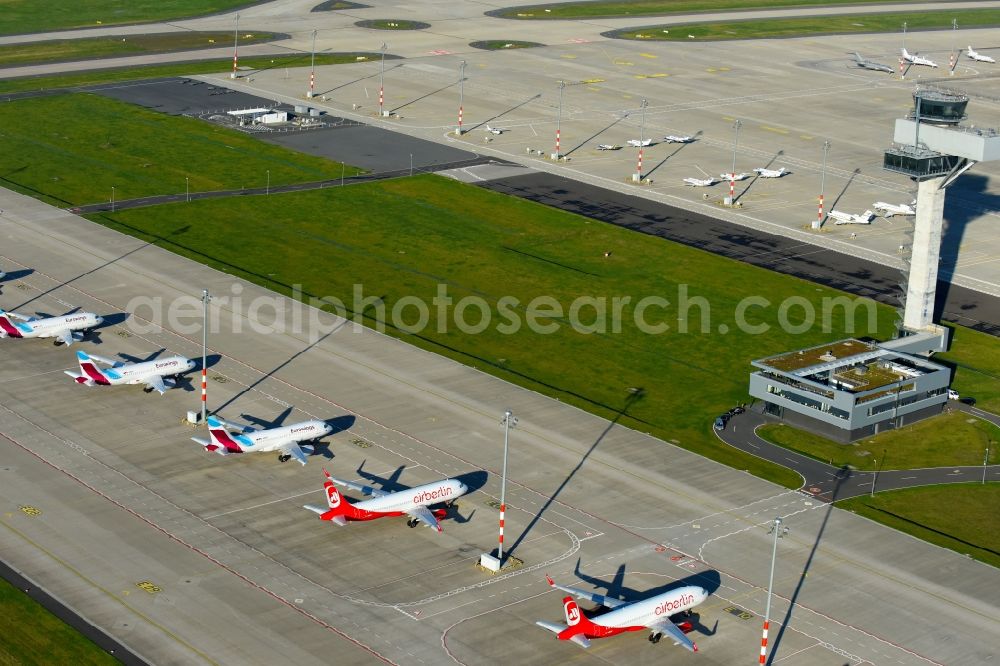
point(655, 638)
point(412, 522)
point(147, 389)
point(283, 457)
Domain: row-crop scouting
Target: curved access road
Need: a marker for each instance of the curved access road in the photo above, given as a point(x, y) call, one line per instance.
point(828, 483)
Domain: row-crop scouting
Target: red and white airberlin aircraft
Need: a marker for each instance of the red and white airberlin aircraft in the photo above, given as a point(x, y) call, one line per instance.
point(157, 375)
point(413, 502)
point(652, 614)
point(285, 440)
point(66, 329)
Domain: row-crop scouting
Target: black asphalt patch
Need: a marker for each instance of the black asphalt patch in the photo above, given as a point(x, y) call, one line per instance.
point(853, 275)
point(183, 96)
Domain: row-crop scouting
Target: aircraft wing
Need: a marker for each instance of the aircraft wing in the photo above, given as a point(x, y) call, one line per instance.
point(22, 317)
point(607, 602)
point(295, 451)
point(424, 515)
point(316, 508)
point(364, 490)
point(65, 336)
point(670, 629)
point(156, 383)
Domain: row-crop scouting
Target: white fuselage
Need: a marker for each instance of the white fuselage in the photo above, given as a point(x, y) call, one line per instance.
point(648, 612)
point(979, 57)
point(53, 326)
point(404, 500)
point(277, 438)
point(697, 182)
point(888, 210)
point(140, 373)
point(636, 143)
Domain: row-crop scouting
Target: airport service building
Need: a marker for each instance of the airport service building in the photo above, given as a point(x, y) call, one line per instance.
point(849, 389)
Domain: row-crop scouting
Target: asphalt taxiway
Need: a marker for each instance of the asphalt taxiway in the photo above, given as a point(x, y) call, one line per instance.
point(188, 556)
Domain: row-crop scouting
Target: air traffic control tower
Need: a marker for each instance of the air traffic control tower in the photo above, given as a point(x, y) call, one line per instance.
point(933, 149)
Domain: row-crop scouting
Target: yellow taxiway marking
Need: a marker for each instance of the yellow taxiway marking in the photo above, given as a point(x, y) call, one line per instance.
point(593, 89)
point(568, 56)
point(774, 129)
point(649, 55)
point(807, 137)
point(650, 76)
point(592, 81)
point(624, 63)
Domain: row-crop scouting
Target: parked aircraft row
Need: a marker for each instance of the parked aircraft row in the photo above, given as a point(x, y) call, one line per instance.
point(427, 504)
point(914, 59)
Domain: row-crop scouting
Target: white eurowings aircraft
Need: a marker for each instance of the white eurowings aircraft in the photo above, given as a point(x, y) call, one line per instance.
point(978, 57)
point(888, 210)
point(494, 130)
point(672, 138)
point(771, 173)
point(915, 59)
point(653, 614)
point(847, 218)
point(413, 502)
point(700, 182)
point(734, 176)
point(285, 440)
point(636, 143)
point(66, 329)
point(157, 375)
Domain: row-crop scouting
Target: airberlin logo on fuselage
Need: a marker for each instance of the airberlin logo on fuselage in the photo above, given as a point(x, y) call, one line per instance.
point(432, 495)
point(676, 604)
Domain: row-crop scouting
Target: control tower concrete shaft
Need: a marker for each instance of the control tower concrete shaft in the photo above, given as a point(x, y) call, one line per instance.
point(933, 149)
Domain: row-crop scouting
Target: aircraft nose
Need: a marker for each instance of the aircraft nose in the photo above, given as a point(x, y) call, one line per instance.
point(99, 320)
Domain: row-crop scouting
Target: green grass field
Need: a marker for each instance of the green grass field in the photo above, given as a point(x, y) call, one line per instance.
point(961, 517)
point(588, 10)
point(119, 74)
point(953, 439)
point(64, 50)
point(976, 359)
point(27, 16)
point(404, 238)
point(88, 144)
point(32, 635)
point(814, 25)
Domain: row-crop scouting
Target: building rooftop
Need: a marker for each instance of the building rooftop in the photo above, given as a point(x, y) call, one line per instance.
point(806, 358)
point(847, 365)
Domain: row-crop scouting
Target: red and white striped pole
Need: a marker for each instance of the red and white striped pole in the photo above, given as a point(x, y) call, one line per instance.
point(557, 144)
point(901, 75)
point(509, 421)
point(205, 298)
point(732, 187)
point(638, 167)
point(763, 645)
point(236, 43)
point(381, 80)
point(312, 69)
point(461, 97)
point(819, 216)
point(503, 509)
point(778, 532)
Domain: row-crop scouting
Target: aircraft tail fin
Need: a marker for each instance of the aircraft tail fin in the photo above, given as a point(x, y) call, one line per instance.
point(220, 437)
point(90, 373)
point(857, 57)
point(339, 508)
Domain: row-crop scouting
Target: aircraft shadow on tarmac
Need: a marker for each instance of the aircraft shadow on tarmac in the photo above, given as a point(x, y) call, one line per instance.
point(710, 580)
point(15, 275)
point(757, 177)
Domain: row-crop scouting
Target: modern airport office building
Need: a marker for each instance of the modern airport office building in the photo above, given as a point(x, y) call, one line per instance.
point(849, 389)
